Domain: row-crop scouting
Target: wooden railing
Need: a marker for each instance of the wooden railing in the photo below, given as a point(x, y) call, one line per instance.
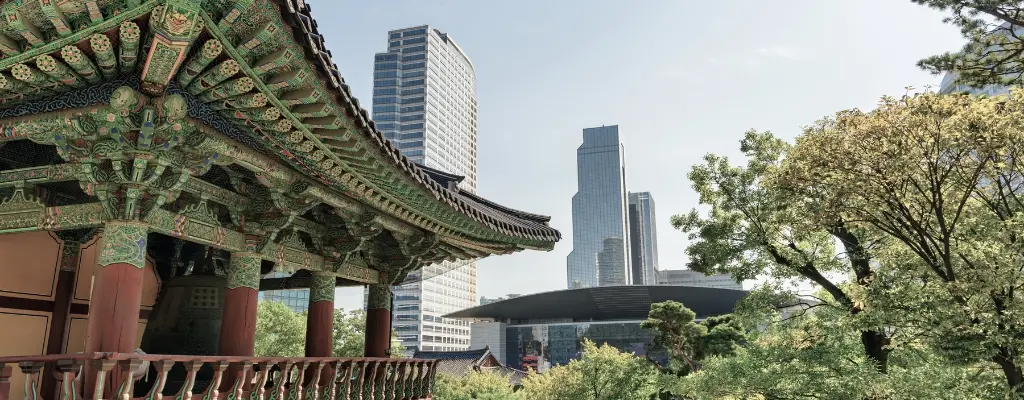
point(116, 376)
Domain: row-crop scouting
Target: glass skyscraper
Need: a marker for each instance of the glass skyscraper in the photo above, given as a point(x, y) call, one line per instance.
point(643, 238)
point(424, 101)
point(600, 235)
point(295, 299)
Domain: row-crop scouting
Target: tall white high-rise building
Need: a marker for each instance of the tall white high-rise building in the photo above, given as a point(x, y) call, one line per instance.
point(424, 101)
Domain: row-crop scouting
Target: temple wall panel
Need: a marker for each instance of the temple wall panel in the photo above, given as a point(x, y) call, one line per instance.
point(76, 334)
point(28, 339)
point(28, 265)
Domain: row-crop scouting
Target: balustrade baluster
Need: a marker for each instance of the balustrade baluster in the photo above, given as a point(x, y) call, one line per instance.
point(31, 370)
point(402, 380)
point(102, 368)
point(127, 370)
point(350, 368)
point(191, 369)
point(162, 368)
point(415, 385)
point(68, 370)
point(295, 392)
point(260, 389)
point(330, 389)
point(313, 384)
point(212, 391)
point(397, 390)
point(373, 379)
point(430, 378)
point(5, 380)
point(240, 384)
point(363, 367)
point(282, 380)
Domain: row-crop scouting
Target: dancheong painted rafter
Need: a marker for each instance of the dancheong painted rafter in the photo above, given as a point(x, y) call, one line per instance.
point(225, 124)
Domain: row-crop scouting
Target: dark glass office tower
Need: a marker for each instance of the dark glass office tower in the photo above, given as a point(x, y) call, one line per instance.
point(600, 234)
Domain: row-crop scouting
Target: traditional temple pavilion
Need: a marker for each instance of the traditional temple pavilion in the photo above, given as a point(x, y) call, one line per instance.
point(158, 158)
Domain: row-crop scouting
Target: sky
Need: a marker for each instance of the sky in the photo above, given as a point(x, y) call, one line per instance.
point(680, 78)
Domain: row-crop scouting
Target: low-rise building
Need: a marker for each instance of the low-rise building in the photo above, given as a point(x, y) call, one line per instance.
point(685, 277)
point(542, 330)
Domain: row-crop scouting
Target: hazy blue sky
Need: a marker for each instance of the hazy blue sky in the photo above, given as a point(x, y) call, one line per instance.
point(680, 78)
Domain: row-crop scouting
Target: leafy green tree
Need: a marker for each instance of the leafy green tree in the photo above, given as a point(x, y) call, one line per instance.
point(994, 48)
point(350, 335)
point(602, 373)
point(752, 229)
point(813, 358)
point(280, 332)
point(938, 178)
point(475, 385)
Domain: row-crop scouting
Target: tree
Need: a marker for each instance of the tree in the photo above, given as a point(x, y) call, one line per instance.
point(350, 335)
point(754, 230)
point(813, 358)
point(994, 48)
point(602, 373)
point(938, 178)
point(677, 332)
point(280, 332)
point(475, 385)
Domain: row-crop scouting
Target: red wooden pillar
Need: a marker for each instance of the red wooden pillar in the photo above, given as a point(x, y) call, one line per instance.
point(238, 326)
point(320, 318)
point(378, 321)
point(117, 288)
point(116, 294)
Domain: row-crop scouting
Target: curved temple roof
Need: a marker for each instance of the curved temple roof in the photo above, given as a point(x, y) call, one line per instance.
point(517, 222)
point(247, 85)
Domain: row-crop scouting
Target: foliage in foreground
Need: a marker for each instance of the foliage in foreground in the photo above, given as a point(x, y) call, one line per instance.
point(475, 385)
point(601, 373)
point(932, 189)
point(281, 332)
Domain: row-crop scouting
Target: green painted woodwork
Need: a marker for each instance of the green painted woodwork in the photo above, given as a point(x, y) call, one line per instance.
point(378, 297)
point(137, 154)
point(244, 271)
point(124, 242)
point(321, 287)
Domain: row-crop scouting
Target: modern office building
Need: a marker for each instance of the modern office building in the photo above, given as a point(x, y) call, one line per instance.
point(424, 101)
point(600, 233)
point(543, 330)
point(643, 239)
point(295, 299)
point(685, 277)
point(950, 85)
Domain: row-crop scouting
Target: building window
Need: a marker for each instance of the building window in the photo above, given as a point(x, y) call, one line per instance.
point(414, 57)
point(421, 31)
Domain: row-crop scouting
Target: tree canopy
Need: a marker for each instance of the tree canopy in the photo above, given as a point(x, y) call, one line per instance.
point(994, 48)
point(280, 332)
